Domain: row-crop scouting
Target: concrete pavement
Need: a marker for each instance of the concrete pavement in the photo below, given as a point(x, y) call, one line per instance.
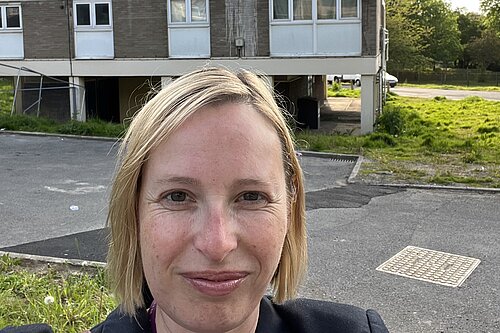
point(353, 228)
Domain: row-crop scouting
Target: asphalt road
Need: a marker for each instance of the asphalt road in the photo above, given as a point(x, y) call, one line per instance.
point(449, 94)
point(353, 228)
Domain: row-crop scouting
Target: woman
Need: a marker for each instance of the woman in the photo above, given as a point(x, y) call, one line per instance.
point(207, 210)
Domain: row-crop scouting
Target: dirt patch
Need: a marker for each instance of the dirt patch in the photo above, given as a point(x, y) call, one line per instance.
point(407, 172)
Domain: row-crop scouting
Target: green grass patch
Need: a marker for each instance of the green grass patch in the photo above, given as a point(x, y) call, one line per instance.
point(6, 95)
point(426, 140)
point(336, 90)
point(68, 300)
point(92, 127)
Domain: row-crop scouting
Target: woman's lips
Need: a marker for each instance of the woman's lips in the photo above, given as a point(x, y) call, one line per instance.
point(215, 283)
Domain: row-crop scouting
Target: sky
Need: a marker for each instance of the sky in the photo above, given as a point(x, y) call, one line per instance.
point(470, 5)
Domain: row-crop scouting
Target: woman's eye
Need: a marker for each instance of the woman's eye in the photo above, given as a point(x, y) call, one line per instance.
point(177, 196)
point(252, 198)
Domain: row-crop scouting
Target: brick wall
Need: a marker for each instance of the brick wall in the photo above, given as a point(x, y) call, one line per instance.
point(371, 26)
point(45, 27)
point(263, 28)
point(140, 28)
point(231, 19)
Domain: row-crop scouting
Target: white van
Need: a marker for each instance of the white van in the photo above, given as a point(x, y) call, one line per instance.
point(353, 78)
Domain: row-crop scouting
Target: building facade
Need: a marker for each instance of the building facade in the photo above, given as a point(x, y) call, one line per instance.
point(99, 58)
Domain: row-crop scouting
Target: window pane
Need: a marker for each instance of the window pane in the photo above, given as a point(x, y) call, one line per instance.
point(83, 14)
point(102, 14)
point(1, 23)
point(302, 9)
point(198, 10)
point(327, 9)
point(178, 10)
point(280, 9)
point(349, 8)
point(13, 19)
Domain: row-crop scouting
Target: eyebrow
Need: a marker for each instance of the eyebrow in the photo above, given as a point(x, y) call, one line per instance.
point(193, 181)
point(178, 180)
point(251, 181)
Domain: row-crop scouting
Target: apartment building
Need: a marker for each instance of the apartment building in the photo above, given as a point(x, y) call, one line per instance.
point(99, 58)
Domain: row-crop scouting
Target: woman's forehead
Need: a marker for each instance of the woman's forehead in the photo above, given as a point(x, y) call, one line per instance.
point(230, 137)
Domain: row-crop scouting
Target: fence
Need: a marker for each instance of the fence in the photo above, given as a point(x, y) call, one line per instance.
point(454, 77)
point(37, 94)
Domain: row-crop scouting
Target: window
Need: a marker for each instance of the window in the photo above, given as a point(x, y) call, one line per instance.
point(10, 17)
point(102, 14)
point(93, 20)
point(349, 9)
point(188, 11)
point(83, 14)
point(93, 15)
point(327, 9)
point(314, 10)
point(302, 9)
point(280, 9)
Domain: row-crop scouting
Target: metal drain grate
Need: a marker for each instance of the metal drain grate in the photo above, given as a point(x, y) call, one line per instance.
point(432, 266)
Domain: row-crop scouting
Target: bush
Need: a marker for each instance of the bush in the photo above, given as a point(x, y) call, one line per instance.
point(93, 127)
point(19, 122)
point(76, 128)
point(336, 86)
point(391, 121)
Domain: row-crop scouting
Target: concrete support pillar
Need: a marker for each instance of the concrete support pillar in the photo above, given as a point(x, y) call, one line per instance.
point(18, 94)
point(319, 88)
point(368, 103)
point(77, 98)
point(165, 80)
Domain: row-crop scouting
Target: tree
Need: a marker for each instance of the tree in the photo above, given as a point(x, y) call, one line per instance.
point(489, 43)
point(443, 39)
point(492, 10)
point(406, 45)
point(470, 26)
point(485, 50)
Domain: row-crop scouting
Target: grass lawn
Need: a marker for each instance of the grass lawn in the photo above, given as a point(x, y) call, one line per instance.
point(425, 141)
point(338, 90)
point(71, 300)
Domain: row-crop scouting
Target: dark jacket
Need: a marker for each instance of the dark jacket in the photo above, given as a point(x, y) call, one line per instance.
point(296, 316)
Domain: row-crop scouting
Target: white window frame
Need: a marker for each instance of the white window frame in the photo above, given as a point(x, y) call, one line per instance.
point(188, 15)
point(93, 25)
point(314, 14)
point(3, 14)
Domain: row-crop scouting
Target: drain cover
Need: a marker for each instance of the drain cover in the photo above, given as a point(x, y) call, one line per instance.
point(432, 266)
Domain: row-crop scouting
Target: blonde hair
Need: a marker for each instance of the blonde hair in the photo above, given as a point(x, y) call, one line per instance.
point(157, 120)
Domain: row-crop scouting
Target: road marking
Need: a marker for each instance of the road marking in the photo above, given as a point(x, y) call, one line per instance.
point(78, 190)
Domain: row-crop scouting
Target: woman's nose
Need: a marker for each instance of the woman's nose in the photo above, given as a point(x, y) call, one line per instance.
point(216, 237)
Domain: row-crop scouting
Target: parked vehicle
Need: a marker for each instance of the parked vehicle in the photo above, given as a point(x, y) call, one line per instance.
point(391, 80)
point(351, 78)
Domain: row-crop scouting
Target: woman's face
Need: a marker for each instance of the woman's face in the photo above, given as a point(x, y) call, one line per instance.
point(213, 218)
